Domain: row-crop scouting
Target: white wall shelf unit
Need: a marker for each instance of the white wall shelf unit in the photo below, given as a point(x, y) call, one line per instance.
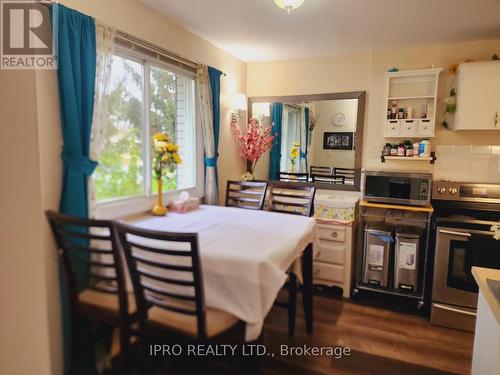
point(416, 89)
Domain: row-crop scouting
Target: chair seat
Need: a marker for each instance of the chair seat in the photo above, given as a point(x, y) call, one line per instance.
point(106, 301)
point(217, 321)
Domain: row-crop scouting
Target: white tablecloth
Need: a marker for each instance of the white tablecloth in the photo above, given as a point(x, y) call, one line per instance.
point(244, 255)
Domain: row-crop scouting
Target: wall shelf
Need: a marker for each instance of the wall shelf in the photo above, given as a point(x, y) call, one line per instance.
point(431, 159)
point(411, 97)
point(415, 89)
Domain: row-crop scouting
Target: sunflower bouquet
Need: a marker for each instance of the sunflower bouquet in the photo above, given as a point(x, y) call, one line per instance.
point(165, 157)
point(294, 154)
point(166, 154)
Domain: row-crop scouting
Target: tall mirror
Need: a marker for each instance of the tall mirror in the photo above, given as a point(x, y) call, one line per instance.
point(318, 137)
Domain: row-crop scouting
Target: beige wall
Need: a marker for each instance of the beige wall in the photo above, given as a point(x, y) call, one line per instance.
point(29, 334)
point(367, 72)
point(31, 178)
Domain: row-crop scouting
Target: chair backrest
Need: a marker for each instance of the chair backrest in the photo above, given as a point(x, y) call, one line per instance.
point(297, 200)
point(348, 174)
point(288, 176)
point(165, 271)
point(242, 194)
point(332, 179)
point(320, 171)
point(90, 257)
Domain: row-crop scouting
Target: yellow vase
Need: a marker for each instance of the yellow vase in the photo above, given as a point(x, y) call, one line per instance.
point(159, 209)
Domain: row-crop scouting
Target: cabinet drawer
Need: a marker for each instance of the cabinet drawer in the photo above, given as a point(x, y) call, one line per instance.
point(408, 128)
point(392, 128)
point(330, 253)
point(425, 128)
point(329, 272)
point(331, 233)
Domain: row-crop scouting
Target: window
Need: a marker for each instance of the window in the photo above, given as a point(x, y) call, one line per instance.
point(145, 97)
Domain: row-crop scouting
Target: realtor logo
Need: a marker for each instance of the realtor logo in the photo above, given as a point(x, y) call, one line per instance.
point(26, 40)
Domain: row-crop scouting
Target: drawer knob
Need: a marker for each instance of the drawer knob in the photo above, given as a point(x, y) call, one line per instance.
point(317, 271)
point(319, 253)
point(335, 234)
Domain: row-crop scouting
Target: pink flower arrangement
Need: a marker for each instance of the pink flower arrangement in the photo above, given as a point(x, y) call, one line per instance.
point(254, 143)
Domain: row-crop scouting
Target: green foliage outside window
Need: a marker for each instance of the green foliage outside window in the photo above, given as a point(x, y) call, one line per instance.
point(121, 166)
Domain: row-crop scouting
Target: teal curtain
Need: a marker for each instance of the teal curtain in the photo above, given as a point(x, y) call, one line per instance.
point(214, 77)
point(275, 157)
point(76, 51)
point(306, 113)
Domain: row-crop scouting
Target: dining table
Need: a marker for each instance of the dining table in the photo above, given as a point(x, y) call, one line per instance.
point(245, 256)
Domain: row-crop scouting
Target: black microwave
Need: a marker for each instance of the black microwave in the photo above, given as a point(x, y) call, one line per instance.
point(397, 188)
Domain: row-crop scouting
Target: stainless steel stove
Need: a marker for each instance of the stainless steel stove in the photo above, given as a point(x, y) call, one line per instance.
point(465, 218)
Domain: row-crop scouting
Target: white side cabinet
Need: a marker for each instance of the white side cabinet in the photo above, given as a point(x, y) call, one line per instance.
point(333, 262)
point(478, 96)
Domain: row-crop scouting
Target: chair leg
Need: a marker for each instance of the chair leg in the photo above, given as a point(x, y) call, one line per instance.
point(124, 357)
point(292, 303)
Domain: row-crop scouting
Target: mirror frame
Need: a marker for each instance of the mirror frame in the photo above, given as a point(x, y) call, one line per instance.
point(360, 121)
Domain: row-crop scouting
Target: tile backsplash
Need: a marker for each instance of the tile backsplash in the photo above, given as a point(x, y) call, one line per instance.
point(468, 163)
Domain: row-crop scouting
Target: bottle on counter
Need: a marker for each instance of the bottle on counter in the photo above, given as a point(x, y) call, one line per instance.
point(401, 149)
point(394, 150)
point(401, 114)
point(387, 149)
point(416, 149)
point(425, 148)
point(410, 113)
point(408, 149)
point(394, 110)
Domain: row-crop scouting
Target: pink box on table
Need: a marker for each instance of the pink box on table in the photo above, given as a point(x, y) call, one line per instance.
point(184, 205)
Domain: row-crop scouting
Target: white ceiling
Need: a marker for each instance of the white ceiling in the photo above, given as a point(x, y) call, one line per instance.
point(257, 30)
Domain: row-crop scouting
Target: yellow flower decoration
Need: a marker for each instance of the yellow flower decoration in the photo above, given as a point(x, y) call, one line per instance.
point(161, 137)
point(165, 158)
point(170, 147)
point(177, 158)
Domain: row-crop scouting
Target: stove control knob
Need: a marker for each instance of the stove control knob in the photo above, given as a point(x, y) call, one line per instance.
point(453, 191)
point(441, 190)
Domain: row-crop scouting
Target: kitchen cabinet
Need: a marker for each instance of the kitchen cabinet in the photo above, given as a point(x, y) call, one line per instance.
point(333, 262)
point(478, 96)
point(336, 227)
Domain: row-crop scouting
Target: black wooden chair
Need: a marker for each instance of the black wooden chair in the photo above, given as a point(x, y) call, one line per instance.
point(167, 277)
point(90, 247)
point(320, 171)
point(250, 195)
point(332, 179)
point(347, 173)
point(326, 175)
point(291, 199)
point(295, 200)
point(293, 177)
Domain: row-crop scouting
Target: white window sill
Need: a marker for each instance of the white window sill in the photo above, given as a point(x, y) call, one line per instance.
point(119, 208)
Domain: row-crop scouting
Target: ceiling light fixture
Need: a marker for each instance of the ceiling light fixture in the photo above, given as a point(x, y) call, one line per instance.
point(289, 5)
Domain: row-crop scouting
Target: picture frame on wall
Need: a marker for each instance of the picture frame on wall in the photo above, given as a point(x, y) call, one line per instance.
point(338, 140)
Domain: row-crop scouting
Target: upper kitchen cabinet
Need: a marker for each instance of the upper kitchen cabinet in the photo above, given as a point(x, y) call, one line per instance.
point(478, 96)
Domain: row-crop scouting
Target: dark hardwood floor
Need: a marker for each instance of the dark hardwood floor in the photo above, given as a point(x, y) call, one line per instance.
point(382, 341)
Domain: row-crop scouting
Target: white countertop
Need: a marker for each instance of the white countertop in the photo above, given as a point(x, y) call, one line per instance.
point(480, 275)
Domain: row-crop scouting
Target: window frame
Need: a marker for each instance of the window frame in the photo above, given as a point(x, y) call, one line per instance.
point(125, 206)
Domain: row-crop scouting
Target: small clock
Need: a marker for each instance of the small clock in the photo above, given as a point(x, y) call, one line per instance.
point(339, 119)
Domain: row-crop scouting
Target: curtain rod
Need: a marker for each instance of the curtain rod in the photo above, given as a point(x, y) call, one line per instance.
point(125, 37)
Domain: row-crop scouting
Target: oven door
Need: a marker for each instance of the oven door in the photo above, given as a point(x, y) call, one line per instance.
point(457, 251)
